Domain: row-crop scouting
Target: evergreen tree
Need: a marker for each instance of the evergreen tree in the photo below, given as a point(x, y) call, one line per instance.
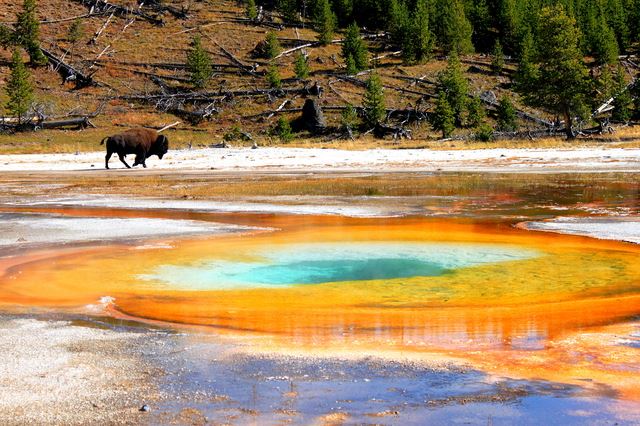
point(481, 20)
point(325, 22)
point(623, 100)
point(354, 46)
point(75, 32)
point(350, 66)
point(301, 66)
point(475, 113)
point(527, 74)
point(288, 9)
point(251, 10)
point(349, 118)
point(508, 24)
point(27, 30)
point(18, 88)
point(422, 38)
point(272, 45)
point(453, 30)
point(283, 130)
point(507, 118)
point(273, 76)
point(400, 29)
point(442, 118)
point(617, 19)
point(605, 87)
point(497, 63)
point(484, 132)
point(344, 11)
point(634, 91)
point(373, 101)
point(600, 39)
point(7, 37)
point(562, 83)
point(455, 87)
point(410, 31)
point(198, 64)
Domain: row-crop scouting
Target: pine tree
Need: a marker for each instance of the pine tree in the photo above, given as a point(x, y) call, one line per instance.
point(455, 87)
point(616, 16)
point(288, 9)
point(75, 32)
point(273, 76)
point(301, 66)
point(481, 20)
point(198, 64)
point(453, 30)
point(325, 22)
point(350, 66)
point(600, 38)
point(251, 10)
point(562, 83)
point(527, 74)
point(422, 36)
point(18, 88)
point(497, 63)
point(507, 117)
point(272, 45)
point(344, 11)
point(442, 118)
point(349, 118)
point(410, 31)
point(475, 113)
point(27, 30)
point(354, 46)
point(283, 130)
point(483, 132)
point(7, 36)
point(634, 91)
point(605, 85)
point(623, 100)
point(508, 24)
point(373, 101)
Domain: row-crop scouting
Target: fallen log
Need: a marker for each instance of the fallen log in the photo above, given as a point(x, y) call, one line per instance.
point(68, 72)
point(157, 6)
point(39, 124)
point(314, 90)
point(231, 56)
point(78, 123)
point(123, 12)
point(104, 26)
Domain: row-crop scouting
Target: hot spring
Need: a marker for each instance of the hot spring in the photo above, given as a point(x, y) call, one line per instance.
point(299, 264)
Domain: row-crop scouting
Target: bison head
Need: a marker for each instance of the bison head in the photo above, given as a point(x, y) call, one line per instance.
point(161, 146)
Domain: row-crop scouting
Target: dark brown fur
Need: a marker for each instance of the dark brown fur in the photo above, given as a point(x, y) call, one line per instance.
point(142, 142)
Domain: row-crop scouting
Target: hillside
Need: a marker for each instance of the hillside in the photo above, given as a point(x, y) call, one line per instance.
point(138, 67)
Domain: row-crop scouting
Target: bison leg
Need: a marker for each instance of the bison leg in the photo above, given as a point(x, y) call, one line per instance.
point(106, 159)
point(121, 156)
point(139, 160)
point(141, 155)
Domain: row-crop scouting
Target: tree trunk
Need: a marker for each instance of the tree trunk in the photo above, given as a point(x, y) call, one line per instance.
point(568, 123)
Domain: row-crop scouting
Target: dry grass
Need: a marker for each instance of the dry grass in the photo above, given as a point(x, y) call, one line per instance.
point(71, 141)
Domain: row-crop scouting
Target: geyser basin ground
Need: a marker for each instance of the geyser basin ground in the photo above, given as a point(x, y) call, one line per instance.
point(548, 333)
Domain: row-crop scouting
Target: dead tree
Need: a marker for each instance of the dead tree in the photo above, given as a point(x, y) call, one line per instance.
point(68, 72)
point(96, 6)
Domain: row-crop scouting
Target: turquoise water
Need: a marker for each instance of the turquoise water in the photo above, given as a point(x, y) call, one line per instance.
point(304, 264)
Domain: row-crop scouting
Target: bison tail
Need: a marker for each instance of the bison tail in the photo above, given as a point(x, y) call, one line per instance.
point(102, 141)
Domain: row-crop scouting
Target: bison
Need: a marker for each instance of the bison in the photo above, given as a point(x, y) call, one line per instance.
point(142, 142)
